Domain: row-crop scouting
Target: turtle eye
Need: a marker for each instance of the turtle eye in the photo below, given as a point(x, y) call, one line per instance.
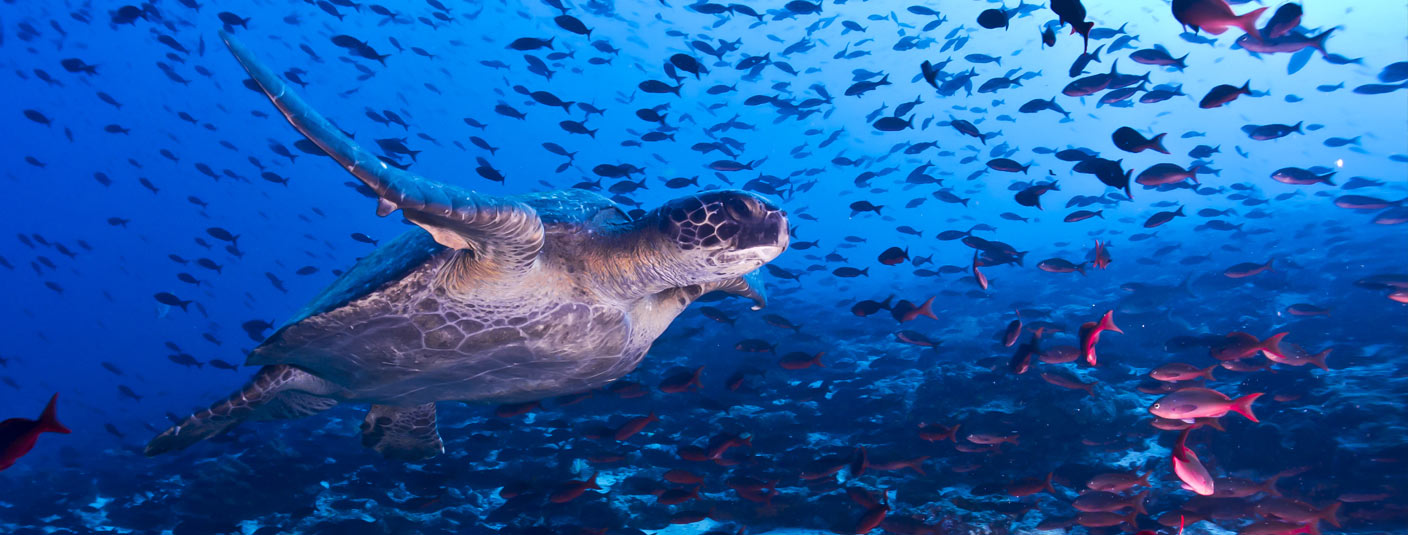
point(740, 209)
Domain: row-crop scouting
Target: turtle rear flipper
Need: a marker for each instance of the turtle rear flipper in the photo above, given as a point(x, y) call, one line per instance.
point(276, 392)
point(504, 234)
point(402, 433)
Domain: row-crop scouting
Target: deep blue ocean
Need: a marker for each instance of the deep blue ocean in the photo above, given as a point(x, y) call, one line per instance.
point(1155, 283)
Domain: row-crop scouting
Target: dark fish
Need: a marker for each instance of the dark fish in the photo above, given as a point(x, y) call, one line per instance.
point(993, 18)
point(1130, 140)
point(530, 43)
point(166, 298)
point(1223, 94)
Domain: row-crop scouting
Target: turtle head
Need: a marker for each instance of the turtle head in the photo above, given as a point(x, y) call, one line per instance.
point(718, 235)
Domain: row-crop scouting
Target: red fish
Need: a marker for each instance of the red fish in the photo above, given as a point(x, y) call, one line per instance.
point(916, 464)
point(1247, 269)
point(1290, 510)
point(1215, 16)
point(905, 311)
point(1062, 378)
point(1118, 481)
point(1179, 371)
point(681, 382)
point(1030, 486)
point(1022, 358)
point(1013, 332)
point(721, 443)
point(937, 433)
point(992, 439)
point(978, 275)
point(1090, 335)
point(1060, 355)
point(570, 490)
point(1102, 256)
point(801, 361)
point(1189, 469)
point(635, 425)
point(1240, 345)
point(1099, 501)
point(872, 519)
point(18, 435)
point(1191, 403)
point(1292, 354)
point(915, 338)
point(683, 477)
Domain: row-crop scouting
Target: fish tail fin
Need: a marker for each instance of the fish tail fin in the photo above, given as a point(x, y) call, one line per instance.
point(1272, 345)
point(953, 437)
point(1243, 406)
point(1318, 359)
point(1207, 372)
point(1319, 43)
point(1328, 514)
point(1107, 322)
point(1158, 143)
point(1247, 22)
point(927, 309)
point(591, 481)
point(1048, 486)
point(1144, 479)
point(49, 419)
point(816, 359)
point(1138, 503)
point(1270, 486)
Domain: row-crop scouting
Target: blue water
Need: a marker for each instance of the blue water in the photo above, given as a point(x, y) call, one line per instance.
point(87, 246)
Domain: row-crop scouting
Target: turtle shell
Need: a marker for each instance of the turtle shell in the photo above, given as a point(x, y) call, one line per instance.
point(394, 259)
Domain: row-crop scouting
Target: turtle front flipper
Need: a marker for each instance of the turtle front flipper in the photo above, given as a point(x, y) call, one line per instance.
point(402, 433)
point(503, 233)
point(749, 285)
point(276, 392)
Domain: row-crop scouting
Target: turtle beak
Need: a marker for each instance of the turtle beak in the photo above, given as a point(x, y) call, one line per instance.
point(767, 232)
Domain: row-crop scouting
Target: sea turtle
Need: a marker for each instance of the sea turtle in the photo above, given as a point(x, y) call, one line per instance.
point(491, 299)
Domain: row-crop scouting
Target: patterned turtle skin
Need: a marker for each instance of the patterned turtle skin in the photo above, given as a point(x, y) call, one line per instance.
point(491, 299)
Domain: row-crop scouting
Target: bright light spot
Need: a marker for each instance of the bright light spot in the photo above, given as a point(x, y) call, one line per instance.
point(1339, 162)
